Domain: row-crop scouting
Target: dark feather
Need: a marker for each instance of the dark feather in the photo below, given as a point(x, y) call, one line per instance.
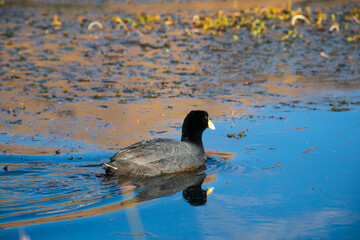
point(156, 156)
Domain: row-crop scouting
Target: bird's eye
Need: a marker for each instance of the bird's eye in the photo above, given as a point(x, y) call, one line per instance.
point(206, 117)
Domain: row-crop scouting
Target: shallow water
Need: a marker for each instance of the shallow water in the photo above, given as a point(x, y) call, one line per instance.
point(47, 188)
point(283, 161)
point(290, 179)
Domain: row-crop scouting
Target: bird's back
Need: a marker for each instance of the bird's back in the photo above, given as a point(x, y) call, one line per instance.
point(155, 157)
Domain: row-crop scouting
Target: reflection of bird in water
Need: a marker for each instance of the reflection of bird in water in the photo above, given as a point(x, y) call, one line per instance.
point(160, 156)
point(195, 195)
point(151, 188)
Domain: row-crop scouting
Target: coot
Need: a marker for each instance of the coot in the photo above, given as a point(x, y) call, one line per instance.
point(162, 155)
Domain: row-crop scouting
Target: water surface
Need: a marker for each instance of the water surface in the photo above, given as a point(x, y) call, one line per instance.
point(283, 161)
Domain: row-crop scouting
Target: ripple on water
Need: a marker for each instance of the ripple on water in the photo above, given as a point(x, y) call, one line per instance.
point(30, 190)
point(33, 190)
point(221, 161)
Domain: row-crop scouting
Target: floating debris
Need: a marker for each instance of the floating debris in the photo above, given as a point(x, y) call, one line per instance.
point(324, 55)
point(335, 27)
point(118, 20)
point(56, 23)
point(355, 19)
point(309, 150)
point(290, 129)
point(238, 136)
point(95, 23)
point(336, 109)
point(302, 17)
point(169, 21)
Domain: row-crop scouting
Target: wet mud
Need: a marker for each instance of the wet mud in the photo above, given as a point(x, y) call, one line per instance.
point(105, 88)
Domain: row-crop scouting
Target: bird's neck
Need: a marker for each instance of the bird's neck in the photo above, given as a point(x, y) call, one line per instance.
point(195, 138)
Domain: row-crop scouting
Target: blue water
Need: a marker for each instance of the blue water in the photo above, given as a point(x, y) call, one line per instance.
point(295, 176)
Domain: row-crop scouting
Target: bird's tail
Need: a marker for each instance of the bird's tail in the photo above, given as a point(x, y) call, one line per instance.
point(109, 166)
